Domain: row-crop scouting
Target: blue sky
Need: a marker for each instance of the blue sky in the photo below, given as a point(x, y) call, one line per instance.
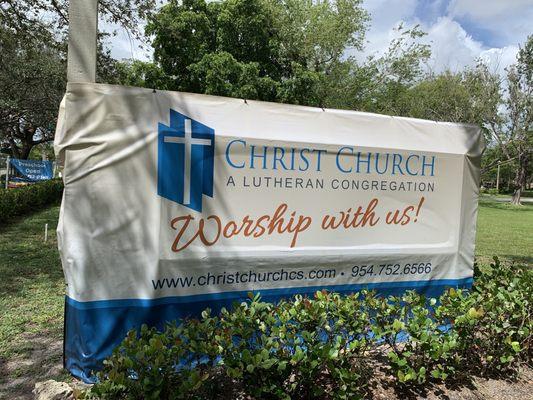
point(459, 31)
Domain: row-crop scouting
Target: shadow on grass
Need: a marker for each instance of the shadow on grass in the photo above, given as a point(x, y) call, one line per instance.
point(21, 219)
point(488, 203)
point(24, 255)
point(507, 259)
point(43, 360)
point(521, 260)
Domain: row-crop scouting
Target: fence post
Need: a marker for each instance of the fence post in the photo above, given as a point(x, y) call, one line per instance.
point(8, 164)
point(82, 33)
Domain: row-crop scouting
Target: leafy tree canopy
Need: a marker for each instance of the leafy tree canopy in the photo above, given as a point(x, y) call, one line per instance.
point(32, 83)
point(277, 50)
point(52, 15)
point(501, 106)
point(33, 68)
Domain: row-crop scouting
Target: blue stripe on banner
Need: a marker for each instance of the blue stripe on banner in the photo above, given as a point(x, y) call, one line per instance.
point(93, 329)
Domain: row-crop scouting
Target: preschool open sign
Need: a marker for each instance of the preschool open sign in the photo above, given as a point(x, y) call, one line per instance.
point(176, 202)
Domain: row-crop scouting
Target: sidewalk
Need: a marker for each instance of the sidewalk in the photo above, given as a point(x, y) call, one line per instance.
point(505, 199)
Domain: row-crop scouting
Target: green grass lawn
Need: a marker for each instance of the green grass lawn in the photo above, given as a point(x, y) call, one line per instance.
point(31, 299)
point(32, 285)
point(505, 231)
point(31, 281)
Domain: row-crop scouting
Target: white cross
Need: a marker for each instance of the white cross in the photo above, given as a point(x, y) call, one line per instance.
point(188, 141)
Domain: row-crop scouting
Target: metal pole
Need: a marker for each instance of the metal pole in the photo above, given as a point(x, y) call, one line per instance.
point(498, 178)
point(8, 163)
point(82, 31)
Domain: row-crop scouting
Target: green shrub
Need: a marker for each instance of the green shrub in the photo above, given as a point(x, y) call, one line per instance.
point(491, 191)
point(328, 346)
point(428, 346)
point(494, 322)
point(26, 199)
point(486, 331)
point(297, 349)
point(145, 366)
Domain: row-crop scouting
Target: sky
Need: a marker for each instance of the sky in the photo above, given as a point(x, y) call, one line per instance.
point(459, 31)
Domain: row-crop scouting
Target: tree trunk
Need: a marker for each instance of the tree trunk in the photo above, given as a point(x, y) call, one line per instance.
point(25, 151)
point(517, 195)
point(520, 179)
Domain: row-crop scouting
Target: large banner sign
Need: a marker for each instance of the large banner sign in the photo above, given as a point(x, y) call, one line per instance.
point(176, 202)
point(33, 170)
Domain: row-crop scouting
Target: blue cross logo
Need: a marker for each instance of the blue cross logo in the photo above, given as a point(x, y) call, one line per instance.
point(185, 161)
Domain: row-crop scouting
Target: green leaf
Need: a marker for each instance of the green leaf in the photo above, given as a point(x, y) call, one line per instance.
point(472, 313)
point(282, 366)
point(398, 325)
point(402, 362)
point(401, 376)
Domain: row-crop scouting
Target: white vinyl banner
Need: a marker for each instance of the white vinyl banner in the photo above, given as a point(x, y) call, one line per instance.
point(174, 202)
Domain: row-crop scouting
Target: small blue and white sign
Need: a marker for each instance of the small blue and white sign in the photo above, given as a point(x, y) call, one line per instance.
point(185, 161)
point(33, 170)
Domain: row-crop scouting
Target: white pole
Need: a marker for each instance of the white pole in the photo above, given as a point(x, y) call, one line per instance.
point(83, 28)
point(8, 163)
point(45, 232)
point(498, 179)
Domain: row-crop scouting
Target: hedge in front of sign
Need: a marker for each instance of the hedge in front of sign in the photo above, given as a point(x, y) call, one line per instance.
point(23, 200)
point(330, 346)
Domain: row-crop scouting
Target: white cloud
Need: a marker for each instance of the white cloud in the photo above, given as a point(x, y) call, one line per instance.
point(385, 13)
point(509, 21)
point(487, 10)
point(499, 58)
point(452, 46)
point(454, 49)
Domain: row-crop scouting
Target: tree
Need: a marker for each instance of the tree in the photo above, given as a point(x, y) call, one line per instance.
point(32, 83)
point(505, 112)
point(277, 50)
point(503, 109)
point(291, 51)
point(33, 65)
point(471, 96)
point(52, 15)
point(379, 84)
point(137, 73)
point(492, 158)
point(514, 132)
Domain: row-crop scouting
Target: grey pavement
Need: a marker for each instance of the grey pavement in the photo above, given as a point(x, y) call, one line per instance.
point(506, 199)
